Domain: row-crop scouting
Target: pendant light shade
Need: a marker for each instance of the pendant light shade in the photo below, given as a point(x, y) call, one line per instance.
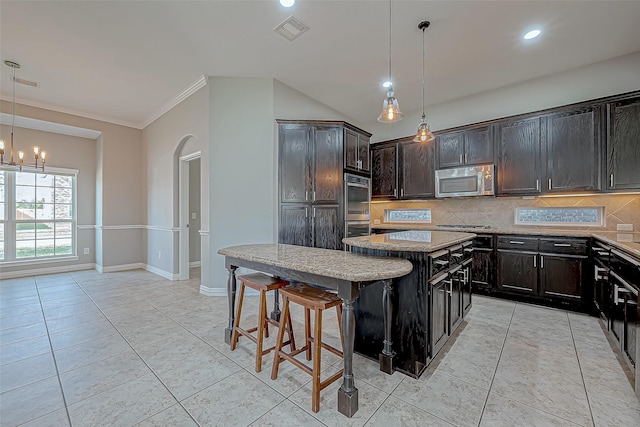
point(390, 111)
point(424, 133)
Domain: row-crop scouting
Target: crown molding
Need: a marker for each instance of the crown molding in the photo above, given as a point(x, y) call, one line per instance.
point(190, 90)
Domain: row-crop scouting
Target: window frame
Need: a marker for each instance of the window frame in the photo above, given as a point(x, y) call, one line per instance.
point(10, 221)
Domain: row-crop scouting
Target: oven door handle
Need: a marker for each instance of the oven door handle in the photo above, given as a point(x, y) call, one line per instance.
point(353, 184)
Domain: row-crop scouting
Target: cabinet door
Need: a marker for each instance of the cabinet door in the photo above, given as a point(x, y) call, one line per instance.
point(482, 267)
point(518, 272)
point(561, 276)
point(455, 300)
point(327, 161)
point(384, 171)
point(519, 167)
point(623, 145)
point(449, 150)
point(466, 287)
point(350, 149)
point(573, 151)
point(363, 153)
point(439, 314)
point(478, 146)
point(328, 228)
point(416, 170)
point(294, 141)
point(295, 227)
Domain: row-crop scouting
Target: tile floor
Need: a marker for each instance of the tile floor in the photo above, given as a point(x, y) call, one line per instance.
point(131, 348)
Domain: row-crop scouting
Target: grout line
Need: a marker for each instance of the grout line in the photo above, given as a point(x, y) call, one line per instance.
point(498, 364)
point(586, 393)
point(53, 354)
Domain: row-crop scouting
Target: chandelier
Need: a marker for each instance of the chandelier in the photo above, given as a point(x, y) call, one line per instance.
point(37, 153)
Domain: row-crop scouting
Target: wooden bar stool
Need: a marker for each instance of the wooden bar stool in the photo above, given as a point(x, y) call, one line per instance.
point(263, 284)
point(317, 300)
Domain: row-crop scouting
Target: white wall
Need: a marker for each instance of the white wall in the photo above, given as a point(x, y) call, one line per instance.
point(182, 130)
point(598, 80)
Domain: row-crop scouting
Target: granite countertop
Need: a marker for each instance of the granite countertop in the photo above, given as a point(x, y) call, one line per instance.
point(323, 262)
point(410, 241)
point(627, 241)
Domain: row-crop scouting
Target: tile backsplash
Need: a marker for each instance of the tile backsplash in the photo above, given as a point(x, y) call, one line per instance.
point(498, 212)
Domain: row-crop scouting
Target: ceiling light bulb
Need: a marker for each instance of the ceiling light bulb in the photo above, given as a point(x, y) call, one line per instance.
point(287, 3)
point(532, 34)
point(387, 84)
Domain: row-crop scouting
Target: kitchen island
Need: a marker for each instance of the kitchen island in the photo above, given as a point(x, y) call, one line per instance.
point(346, 272)
point(405, 323)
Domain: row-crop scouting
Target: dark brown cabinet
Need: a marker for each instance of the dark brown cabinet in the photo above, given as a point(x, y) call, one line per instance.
point(520, 157)
point(483, 265)
point(439, 331)
point(356, 151)
point(573, 151)
point(311, 159)
point(466, 147)
point(551, 268)
point(623, 145)
point(402, 169)
point(416, 171)
point(384, 163)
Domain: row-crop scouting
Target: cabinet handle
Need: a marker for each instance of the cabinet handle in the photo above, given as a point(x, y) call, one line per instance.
point(465, 157)
point(537, 185)
point(516, 242)
point(611, 180)
point(549, 183)
point(534, 261)
point(562, 245)
point(460, 158)
point(314, 212)
point(395, 192)
point(306, 196)
point(402, 192)
point(541, 261)
point(314, 196)
point(306, 212)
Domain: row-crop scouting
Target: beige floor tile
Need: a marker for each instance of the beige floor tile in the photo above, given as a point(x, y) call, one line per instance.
point(58, 418)
point(30, 402)
point(89, 352)
point(395, 412)
point(21, 320)
point(502, 412)
point(175, 416)
point(26, 371)
point(125, 405)
point(83, 333)
point(8, 336)
point(237, 400)
point(24, 349)
point(286, 414)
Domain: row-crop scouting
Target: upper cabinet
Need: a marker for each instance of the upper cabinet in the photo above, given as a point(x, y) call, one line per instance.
point(573, 150)
point(294, 164)
point(623, 145)
point(356, 151)
point(519, 163)
point(384, 167)
point(402, 169)
point(465, 147)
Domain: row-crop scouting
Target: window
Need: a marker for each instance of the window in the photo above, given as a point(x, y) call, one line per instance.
point(37, 215)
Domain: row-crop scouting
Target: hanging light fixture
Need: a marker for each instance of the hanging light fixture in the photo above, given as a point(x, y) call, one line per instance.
point(390, 111)
point(424, 133)
point(37, 153)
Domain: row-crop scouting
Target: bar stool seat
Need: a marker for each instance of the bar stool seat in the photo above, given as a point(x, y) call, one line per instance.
point(263, 284)
point(315, 299)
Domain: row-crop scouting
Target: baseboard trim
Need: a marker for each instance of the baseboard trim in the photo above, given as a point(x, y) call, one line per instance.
point(213, 292)
point(195, 264)
point(121, 267)
point(160, 272)
point(46, 270)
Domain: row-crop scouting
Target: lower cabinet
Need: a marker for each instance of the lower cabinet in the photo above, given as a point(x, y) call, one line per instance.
point(550, 268)
point(466, 286)
point(439, 294)
point(320, 226)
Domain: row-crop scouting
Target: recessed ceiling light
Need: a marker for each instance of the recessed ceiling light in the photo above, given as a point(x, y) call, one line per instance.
point(387, 84)
point(532, 34)
point(287, 3)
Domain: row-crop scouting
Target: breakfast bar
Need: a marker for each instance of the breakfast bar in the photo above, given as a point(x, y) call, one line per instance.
point(345, 272)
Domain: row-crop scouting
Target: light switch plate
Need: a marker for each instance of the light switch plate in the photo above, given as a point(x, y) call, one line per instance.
point(376, 222)
point(193, 215)
point(624, 227)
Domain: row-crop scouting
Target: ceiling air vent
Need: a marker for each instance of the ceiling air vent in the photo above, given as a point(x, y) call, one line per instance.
point(25, 82)
point(291, 28)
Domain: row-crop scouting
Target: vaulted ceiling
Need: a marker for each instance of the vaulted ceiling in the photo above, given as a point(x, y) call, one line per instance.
point(121, 61)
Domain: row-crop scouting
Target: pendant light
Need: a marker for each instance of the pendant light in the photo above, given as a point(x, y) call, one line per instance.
point(37, 153)
point(390, 111)
point(424, 133)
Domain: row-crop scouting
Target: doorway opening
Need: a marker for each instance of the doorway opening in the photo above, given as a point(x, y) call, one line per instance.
point(190, 212)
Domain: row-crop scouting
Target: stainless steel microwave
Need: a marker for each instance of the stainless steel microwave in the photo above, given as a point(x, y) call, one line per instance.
point(466, 181)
